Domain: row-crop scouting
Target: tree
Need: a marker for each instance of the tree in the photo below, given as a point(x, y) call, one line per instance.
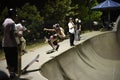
point(3, 14)
point(85, 13)
point(56, 11)
point(33, 21)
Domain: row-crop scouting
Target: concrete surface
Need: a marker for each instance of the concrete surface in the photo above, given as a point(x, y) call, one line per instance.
point(96, 58)
point(93, 58)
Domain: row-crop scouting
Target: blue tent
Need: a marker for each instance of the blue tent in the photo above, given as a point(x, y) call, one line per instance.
point(108, 4)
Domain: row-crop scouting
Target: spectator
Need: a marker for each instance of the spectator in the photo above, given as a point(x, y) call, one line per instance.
point(71, 27)
point(77, 29)
point(10, 44)
point(20, 28)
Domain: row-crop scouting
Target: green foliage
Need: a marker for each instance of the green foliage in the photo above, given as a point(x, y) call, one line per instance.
point(95, 15)
point(3, 14)
point(57, 11)
point(34, 21)
point(85, 13)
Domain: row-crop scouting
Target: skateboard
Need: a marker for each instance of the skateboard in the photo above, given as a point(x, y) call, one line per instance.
point(50, 51)
point(53, 50)
point(24, 70)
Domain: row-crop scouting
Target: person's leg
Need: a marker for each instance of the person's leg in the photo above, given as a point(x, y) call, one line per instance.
point(23, 45)
point(50, 43)
point(46, 39)
point(56, 44)
point(8, 59)
point(71, 39)
point(11, 55)
point(53, 42)
point(15, 58)
point(70, 36)
point(78, 35)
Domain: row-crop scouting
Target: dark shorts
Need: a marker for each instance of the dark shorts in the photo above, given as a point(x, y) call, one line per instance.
point(11, 55)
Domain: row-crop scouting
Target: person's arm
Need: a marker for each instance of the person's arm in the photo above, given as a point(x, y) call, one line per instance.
point(62, 32)
point(25, 29)
point(71, 25)
point(63, 35)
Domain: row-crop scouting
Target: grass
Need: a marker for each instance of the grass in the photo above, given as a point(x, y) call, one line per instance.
point(1, 54)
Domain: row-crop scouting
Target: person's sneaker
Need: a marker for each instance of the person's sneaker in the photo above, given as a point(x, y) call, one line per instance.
point(12, 76)
point(72, 45)
point(53, 49)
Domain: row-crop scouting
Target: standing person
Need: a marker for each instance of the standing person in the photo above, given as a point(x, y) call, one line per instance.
point(71, 27)
point(10, 44)
point(20, 28)
point(77, 29)
point(55, 38)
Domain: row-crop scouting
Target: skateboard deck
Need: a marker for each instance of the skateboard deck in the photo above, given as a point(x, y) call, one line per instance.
point(24, 70)
point(50, 51)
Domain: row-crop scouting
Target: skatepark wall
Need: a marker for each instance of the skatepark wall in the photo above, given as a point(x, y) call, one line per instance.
point(117, 26)
point(97, 58)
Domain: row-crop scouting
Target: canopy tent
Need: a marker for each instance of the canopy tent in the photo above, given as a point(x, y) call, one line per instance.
point(107, 5)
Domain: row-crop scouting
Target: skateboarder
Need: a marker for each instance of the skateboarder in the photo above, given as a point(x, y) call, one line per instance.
point(71, 27)
point(57, 37)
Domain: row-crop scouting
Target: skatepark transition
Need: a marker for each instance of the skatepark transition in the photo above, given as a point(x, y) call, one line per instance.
point(97, 58)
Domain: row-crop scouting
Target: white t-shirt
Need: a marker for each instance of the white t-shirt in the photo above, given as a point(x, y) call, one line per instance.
point(20, 28)
point(8, 21)
point(71, 28)
point(7, 41)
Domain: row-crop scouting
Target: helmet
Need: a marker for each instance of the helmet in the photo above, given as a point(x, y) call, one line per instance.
point(12, 13)
point(57, 25)
point(54, 26)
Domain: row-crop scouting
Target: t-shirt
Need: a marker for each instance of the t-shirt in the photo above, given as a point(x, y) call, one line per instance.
point(71, 28)
point(8, 37)
point(20, 28)
point(7, 21)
